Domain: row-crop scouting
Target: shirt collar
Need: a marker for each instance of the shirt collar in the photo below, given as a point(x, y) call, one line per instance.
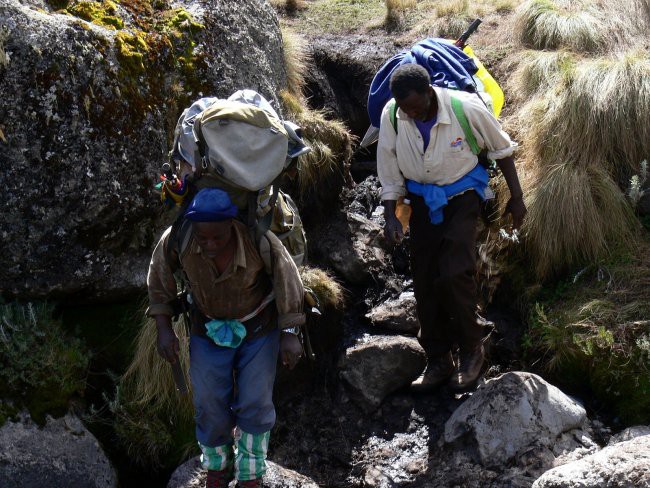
point(443, 103)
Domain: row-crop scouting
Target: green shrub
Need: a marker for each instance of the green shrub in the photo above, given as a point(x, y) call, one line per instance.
point(594, 333)
point(40, 368)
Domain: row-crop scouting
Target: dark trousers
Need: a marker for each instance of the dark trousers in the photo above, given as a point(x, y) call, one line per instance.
point(443, 265)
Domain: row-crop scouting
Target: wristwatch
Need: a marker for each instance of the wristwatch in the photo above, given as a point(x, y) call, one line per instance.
point(292, 330)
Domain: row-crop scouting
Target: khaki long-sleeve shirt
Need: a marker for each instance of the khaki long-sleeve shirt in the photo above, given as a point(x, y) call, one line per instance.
point(236, 292)
point(448, 157)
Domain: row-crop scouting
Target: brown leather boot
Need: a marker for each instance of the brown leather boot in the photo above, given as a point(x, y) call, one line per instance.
point(219, 479)
point(469, 369)
point(256, 483)
point(438, 371)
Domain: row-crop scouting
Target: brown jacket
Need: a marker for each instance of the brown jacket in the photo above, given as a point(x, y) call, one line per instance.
point(235, 293)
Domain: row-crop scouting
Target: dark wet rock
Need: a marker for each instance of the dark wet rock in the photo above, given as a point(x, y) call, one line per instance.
point(62, 453)
point(398, 314)
point(84, 133)
point(629, 434)
point(343, 69)
point(381, 365)
point(191, 475)
point(352, 245)
point(510, 415)
point(624, 464)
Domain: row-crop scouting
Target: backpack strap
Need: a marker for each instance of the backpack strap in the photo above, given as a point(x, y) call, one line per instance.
point(392, 113)
point(457, 107)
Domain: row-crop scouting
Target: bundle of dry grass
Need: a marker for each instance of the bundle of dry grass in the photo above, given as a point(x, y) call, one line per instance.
point(575, 215)
point(599, 112)
point(329, 292)
point(150, 415)
point(580, 25)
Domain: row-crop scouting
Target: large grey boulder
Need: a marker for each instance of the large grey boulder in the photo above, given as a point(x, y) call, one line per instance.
point(622, 465)
point(374, 369)
point(86, 120)
point(629, 434)
point(511, 417)
point(191, 475)
point(398, 314)
point(62, 453)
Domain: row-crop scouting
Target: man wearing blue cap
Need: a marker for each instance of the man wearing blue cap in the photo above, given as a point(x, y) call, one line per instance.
point(242, 318)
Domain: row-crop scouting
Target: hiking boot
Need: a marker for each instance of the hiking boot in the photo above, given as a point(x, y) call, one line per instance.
point(255, 483)
point(219, 479)
point(438, 370)
point(469, 369)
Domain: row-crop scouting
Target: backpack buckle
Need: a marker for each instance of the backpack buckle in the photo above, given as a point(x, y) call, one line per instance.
point(204, 162)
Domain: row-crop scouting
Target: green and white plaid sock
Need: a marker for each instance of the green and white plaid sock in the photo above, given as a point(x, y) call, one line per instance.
point(250, 460)
point(217, 458)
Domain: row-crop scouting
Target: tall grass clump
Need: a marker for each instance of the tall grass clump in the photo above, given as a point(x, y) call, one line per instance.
point(600, 111)
point(575, 215)
point(593, 334)
point(41, 367)
point(580, 25)
point(539, 71)
point(331, 145)
point(395, 9)
point(296, 61)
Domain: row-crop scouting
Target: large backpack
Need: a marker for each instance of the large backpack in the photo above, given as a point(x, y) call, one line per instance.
point(240, 145)
point(448, 67)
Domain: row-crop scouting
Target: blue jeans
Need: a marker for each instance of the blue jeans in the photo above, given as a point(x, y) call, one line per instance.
point(233, 387)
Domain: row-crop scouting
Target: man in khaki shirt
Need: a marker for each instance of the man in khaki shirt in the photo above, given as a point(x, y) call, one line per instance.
point(428, 159)
point(242, 318)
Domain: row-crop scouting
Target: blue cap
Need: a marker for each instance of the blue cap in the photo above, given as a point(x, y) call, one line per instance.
point(211, 205)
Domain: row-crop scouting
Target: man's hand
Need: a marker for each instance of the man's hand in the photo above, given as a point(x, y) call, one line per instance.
point(167, 343)
point(393, 230)
point(517, 209)
point(290, 349)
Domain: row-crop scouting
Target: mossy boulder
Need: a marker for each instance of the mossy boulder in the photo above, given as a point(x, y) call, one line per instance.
point(91, 93)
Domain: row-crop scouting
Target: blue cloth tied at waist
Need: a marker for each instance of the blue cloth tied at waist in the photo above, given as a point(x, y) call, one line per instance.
point(226, 333)
point(437, 196)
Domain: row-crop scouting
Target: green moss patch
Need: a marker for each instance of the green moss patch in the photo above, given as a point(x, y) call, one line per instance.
point(100, 13)
point(593, 333)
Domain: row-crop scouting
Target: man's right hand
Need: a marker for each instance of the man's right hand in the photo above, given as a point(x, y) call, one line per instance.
point(167, 343)
point(393, 230)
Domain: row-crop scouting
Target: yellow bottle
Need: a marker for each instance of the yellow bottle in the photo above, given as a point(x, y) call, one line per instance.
point(403, 212)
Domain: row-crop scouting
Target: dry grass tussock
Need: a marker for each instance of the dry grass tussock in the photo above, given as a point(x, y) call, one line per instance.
point(539, 71)
point(575, 215)
point(395, 9)
point(598, 113)
point(296, 61)
point(580, 25)
point(330, 141)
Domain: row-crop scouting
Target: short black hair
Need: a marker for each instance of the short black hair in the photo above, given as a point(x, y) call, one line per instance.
point(409, 78)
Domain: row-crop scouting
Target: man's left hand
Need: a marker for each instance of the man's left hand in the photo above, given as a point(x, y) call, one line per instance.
point(290, 349)
point(517, 209)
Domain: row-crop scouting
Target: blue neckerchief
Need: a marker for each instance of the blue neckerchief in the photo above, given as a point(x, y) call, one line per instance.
point(226, 333)
point(437, 196)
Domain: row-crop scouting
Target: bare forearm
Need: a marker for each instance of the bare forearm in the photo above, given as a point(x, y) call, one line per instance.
point(507, 167)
